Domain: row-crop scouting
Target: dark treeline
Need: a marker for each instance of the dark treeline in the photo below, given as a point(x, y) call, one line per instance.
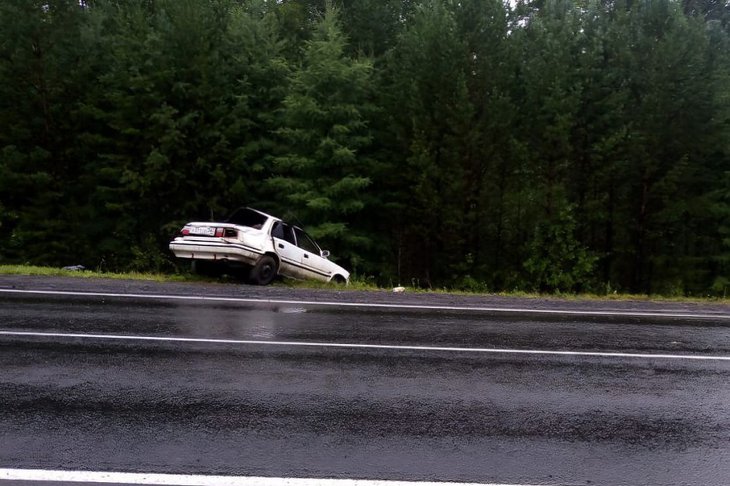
point(552, 145)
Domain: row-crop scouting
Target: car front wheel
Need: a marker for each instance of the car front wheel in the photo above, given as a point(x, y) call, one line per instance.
point(264, 272)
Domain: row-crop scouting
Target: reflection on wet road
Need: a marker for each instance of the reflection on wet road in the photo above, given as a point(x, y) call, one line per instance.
point(406, 414)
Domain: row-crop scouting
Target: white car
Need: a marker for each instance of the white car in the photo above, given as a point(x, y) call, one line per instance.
point(264, 245)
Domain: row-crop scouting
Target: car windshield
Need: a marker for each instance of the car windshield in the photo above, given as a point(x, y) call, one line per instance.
point(247, 217)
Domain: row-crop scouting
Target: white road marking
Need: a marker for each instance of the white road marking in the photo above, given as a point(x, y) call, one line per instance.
point(121, 337)
point(203, 480)
point(514, 310)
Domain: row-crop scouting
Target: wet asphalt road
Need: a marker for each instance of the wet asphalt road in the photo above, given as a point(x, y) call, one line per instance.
point(378, 413)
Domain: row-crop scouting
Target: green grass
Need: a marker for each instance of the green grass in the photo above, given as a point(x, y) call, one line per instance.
point(614, 296)
point(59, 272)
point(356, 283)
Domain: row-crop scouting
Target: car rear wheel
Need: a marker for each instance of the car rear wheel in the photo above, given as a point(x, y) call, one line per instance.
point(264, 272)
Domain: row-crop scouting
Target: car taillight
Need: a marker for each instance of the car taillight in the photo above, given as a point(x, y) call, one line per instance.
point(185, 231)
point(220, 232)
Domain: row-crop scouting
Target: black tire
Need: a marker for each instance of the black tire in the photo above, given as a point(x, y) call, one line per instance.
point(339, 280)
point(264, 272)
point(206, 268)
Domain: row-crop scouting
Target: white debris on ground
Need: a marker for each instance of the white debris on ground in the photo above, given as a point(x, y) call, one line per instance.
point(399, 289)
point(75, 268)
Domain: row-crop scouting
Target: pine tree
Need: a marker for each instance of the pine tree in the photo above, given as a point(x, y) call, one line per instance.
point(320, 174)
point(186, 105)
point(42, 79)
point(428, 99)
point(551, 85)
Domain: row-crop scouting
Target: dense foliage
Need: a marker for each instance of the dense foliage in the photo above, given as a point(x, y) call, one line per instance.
point(543, 145)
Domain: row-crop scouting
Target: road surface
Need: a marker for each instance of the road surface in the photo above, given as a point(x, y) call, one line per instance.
point(467, 392)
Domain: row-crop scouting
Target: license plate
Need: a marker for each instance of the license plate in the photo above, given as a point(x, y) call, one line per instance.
point(202, 230)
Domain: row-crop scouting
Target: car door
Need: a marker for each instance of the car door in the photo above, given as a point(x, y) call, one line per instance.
point(290, 255)
point(311, 257)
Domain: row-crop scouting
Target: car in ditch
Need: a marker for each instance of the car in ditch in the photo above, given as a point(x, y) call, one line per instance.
point(260, 245)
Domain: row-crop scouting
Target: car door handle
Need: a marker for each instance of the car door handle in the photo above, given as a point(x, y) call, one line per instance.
point(306, 256)
point(281, 246)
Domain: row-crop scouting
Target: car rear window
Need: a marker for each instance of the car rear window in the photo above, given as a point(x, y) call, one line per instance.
point(246, 217)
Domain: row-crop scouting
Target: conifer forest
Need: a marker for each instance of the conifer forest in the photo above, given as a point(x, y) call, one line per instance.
point(542, 145)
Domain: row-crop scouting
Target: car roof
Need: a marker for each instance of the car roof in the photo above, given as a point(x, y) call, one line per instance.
point(272, 217)
point(260, 212)
point(255, 211)
point(276, 219)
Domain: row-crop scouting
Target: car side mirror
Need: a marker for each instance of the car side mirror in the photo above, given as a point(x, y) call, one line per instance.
point(325, 254)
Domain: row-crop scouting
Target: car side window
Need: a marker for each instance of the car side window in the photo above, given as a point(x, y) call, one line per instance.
point(289, 234)
point(305, 242)
point(284, 232)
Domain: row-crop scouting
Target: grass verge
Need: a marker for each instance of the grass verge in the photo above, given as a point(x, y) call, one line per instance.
point(355, 284)
point(160, 277)
point(60, 272)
